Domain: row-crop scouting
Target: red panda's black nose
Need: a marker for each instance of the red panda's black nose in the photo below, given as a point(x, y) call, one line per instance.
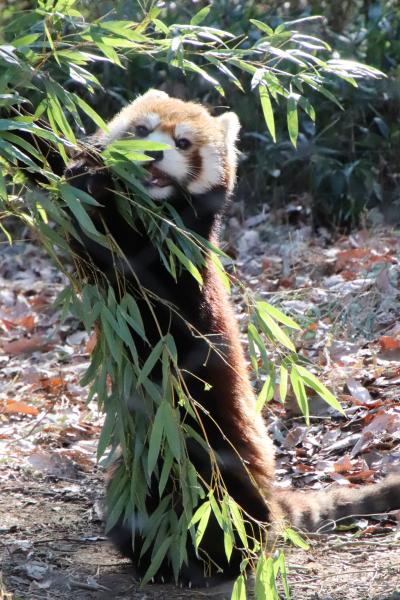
point(157, 155)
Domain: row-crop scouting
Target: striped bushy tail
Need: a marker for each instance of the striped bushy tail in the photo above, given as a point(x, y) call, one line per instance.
point(320, 510)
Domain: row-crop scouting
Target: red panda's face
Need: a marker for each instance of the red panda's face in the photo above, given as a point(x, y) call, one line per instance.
point(201, 153)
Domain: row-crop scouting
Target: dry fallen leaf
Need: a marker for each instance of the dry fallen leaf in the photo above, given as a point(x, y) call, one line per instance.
point(27, 345)
point(16, 407)
point(27, 322)
point(388, 343)
point(91, 343)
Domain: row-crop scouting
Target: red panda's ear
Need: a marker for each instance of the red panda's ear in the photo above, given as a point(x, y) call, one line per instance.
point(231, 126)
point(155, 94)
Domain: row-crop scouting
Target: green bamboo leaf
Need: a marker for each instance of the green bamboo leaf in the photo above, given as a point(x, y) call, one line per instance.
point(262, 26)
point(281, 568)
point(283, 383)
point(199, 513)
point(117, 510)
point(70, 196)
point(108, 52)
point(51, 43)
point(308, 108)
point(157, 560)
point(313, 382)
point(113, 342)
point(229, 537)
point(216, 510)
point(276, 314)
point(127, 146)
point(153, 523)
point(172, 431)
point(202, 526)
point(200, 16)
point(255, 338)
point(51, 235)
point(134, 318)
point(238, 522)
point(266, 394)
point(160, 26)
point(292, 536)
point(156, 436)
point(106, 431)
point(56, 116)
point(148, 366)
point(292, 118)
point(267, 110)
point(193, 270)
point(239, 589)
point(25, 40)
point(272, 329)
point(15, 139)
point(265, 588)
point(90, 112)
point(228, 544)
point(82, 196)
point(13, 154)
point(6, 233)
point(3, 187)
point(165, 471)
point(300, 394)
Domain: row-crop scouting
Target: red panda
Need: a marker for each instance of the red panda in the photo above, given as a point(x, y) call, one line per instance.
point(196, 176)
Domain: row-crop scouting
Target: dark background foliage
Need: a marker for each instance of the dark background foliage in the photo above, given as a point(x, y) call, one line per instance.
point(345, 162)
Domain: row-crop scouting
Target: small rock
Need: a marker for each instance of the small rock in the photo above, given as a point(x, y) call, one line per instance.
point(249, 240)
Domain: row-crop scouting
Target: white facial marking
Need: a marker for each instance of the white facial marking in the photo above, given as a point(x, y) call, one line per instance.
point(183, 130)
point(173, 162)
point(151, 120)
point(211, 171)
point(160, 193)
point(118, 127)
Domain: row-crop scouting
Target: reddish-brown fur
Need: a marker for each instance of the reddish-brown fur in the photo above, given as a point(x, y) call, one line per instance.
point(230, 402)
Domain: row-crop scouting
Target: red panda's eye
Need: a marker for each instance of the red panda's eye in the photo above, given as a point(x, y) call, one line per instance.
point(141, 130)
point(183, 144)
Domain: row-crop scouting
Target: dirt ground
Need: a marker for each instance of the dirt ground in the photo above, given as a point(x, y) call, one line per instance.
point(52, 544)
point(53, 548)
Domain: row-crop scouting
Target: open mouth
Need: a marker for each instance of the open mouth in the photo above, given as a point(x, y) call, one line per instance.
point(156, 177)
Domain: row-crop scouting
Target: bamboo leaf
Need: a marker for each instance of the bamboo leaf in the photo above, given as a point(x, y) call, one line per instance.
point(239, 589)
point(193, 270)
point(200, 16)
point(148, 366)
point(155, 439)
point(157, 560)
point(238, 522)
point(199, 513)
point(91, 113)
point(165, 471)
point(267, 110)
point(266, 394)
point(172, 432)
point(313, 382)
point(202, 526)
point(281, 566)
point(71, 198)
point(292, 118)
point(283, 383)
point(262, 26)
point(106, 432)
point(300, 394)
point(272, 329)
point(292, 536)
point(277, 314)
